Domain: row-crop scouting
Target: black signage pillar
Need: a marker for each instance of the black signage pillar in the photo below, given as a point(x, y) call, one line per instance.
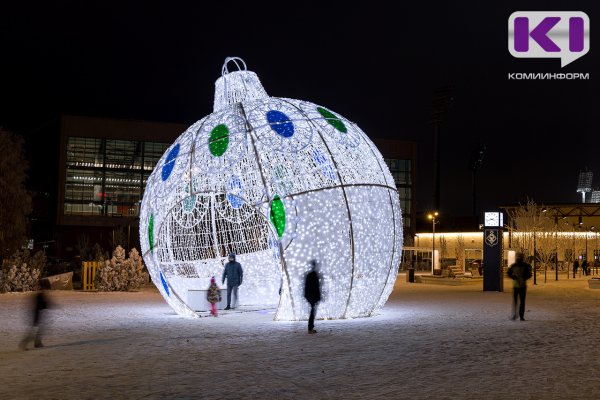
point(493, 277)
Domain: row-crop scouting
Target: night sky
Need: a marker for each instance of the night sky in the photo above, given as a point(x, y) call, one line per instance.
point(377, 64)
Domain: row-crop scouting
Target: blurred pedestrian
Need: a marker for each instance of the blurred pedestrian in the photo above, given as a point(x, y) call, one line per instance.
point(312, 293)
point(519, 272)
point(575, 267)
point(584, 267)
point(235, 275)
point(213, 296)
point(34, 334)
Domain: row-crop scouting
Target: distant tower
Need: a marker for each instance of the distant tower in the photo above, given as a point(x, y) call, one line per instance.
point(585, 183)
point(595, 196)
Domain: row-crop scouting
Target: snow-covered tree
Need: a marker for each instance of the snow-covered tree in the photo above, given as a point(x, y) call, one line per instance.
point(136, 277)
point(120, 273)
point(22, 272)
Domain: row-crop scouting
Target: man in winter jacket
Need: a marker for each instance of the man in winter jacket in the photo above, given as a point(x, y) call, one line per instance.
point(235, 275)
point(519, 272)
point(312, 293)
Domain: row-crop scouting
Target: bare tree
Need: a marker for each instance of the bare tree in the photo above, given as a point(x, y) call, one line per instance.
point(460, 252)
point(565, 244)
point(525, 219)
point(443, 249)
point(15, 201)
point(119, 237)
point(545, 241)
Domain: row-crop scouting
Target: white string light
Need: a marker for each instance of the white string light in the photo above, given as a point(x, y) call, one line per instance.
point(280, 182)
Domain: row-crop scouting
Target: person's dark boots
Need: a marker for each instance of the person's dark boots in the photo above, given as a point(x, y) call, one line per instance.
point(228, 308)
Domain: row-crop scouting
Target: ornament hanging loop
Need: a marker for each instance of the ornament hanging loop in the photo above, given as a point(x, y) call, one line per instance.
point(239, 63)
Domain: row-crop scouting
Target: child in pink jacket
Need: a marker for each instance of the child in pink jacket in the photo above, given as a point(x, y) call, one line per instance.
point(213, 296)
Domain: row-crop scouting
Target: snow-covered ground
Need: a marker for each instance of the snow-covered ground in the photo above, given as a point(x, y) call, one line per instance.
point(429, 342)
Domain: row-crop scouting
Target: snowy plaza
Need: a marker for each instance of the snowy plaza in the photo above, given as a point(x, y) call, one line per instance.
point(427, 342)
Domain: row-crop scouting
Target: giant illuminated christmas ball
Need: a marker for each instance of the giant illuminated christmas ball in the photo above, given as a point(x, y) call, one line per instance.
point(279, 182)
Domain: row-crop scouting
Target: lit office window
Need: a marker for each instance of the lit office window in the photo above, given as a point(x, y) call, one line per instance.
point(106, 177)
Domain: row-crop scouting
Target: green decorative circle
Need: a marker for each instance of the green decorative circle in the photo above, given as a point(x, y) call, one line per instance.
point(151, 232)
point(332, 119)
point(219, 140)
point(278, 215)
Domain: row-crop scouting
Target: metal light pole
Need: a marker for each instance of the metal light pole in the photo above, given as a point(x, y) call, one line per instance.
point(556, 246)
point(595, 254)
point(534, 249)
point(432, 218)
point(595, 250)
point(574, 255)
point(586, 253)
point(534, 260)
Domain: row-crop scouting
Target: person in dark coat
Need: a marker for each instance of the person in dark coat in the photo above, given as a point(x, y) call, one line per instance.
point(585, 267)
point(40, 303)
point(519, 272)
point(312, 293)
point(234, 274)
point(575, 267)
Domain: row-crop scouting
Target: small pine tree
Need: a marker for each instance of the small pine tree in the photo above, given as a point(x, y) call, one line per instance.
point(136, 277)
point(120, 273)
point(22, 272)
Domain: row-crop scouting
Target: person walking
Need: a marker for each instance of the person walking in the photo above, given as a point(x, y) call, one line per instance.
point(519, 272)
point(312, 294)
point(213, 296)
point(234, 274)
point(584, 267)
point(575, 267)
point(34, 334)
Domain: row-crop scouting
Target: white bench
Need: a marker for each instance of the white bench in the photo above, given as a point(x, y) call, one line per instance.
point(594, 283)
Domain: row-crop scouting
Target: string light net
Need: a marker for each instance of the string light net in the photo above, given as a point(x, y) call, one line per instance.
point(279, 182)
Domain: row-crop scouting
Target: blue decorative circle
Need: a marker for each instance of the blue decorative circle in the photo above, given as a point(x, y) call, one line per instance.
point(170, 162)
point(164, 283)
point(234, 192)
point(274, 245)
point(324, 164)
point(280, 123)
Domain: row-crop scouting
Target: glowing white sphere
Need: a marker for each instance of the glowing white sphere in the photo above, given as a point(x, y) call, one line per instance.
point(279, 182)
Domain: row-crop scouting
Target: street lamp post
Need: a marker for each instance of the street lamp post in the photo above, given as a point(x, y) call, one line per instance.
point(593, 266)
point(556, 246)
point(586, 253)
point(432, 216)
point(595, 254)
point(534, 259)
point(574, 255)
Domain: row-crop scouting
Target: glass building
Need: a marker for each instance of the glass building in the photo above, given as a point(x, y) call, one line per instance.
point(400, 157)
point(103, 167)
point(106, 177)
point(401, 171)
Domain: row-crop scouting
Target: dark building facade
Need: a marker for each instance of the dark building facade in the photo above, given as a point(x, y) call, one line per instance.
point(401, 158)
